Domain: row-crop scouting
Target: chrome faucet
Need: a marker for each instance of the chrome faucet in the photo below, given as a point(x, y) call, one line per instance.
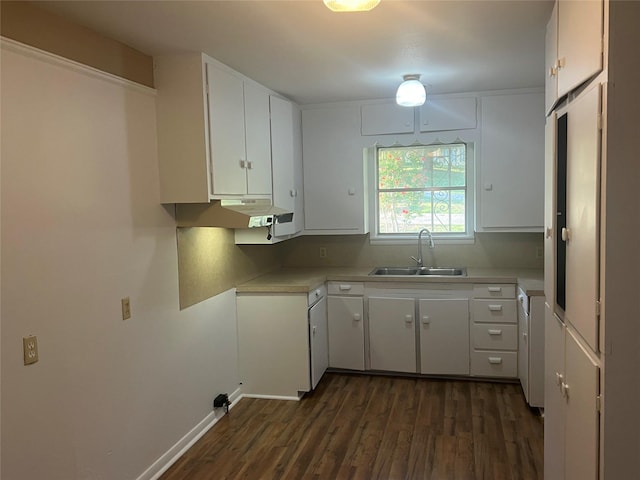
point(431, 245)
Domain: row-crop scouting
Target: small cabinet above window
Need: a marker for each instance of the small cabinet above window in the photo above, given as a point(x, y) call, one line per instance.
point(386, 118)
point(439, 114)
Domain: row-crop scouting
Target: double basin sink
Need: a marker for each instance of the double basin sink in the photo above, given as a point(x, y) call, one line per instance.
point(411, 271)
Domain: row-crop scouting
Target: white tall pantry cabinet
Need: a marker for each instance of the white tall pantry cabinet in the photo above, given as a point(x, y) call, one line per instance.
point(592, 226)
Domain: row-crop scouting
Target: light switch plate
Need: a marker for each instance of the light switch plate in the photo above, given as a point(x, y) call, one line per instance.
point(126, 308)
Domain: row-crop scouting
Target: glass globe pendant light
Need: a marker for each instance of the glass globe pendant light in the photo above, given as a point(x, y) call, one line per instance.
point(351, 5)
point(411, 93)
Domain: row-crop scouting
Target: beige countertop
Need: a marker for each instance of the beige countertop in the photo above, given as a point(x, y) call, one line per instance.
point(303, 280)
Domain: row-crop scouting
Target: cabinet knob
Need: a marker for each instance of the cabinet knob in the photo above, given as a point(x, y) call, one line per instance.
point(408, 318)
point(495, 308)
point(566, 234)
point(313, 330)
point(553, 71)
point(495, 360)
point(495, 289)
point(357, 317)
point(559, 379)
point(345, 288)
point(565, 390)
point(351, 191)
point(426, 320)
point(494, 331)
point(293, 192)
point(243, 163)
point(561, 63)
point(488, 187)
point(548, 232)
point(249, 165)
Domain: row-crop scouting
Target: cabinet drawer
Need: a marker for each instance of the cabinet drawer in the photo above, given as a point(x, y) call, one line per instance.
point(504, 290)
point(494, 364)
point(346, 288)
point(494, 311)
point(495, 336)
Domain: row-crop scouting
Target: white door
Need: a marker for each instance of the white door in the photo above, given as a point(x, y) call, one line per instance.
point(523, 346)
point(582, 384)
point(226, 132)
point(580, 30)
point(554, 443)
point(258, 139)
point(346, 332)
point(583, 203)
point(318, 340)
point(444, 336)
point(282, 160)
point(392, 334)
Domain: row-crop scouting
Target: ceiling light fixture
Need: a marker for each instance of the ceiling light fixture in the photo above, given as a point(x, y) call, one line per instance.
point(411, 93)
point(351, 5)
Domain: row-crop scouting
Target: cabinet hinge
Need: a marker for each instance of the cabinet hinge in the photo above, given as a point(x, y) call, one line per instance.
point(598, 403)
point(600, 122)
point(598, 308)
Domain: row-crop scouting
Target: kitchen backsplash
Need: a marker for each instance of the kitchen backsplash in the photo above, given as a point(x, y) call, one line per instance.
point(489, 250)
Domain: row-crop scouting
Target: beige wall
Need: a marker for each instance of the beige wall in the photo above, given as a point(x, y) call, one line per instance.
point(26, 23)
point(489, 250)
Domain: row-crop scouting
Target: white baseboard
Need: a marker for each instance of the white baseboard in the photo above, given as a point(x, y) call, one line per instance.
point(270, 397)
point(174, 453)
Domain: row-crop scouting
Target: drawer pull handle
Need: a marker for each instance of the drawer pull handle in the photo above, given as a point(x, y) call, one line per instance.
point(495, 360)
point(495, 308)
point(357, 317)
point(495, 332)
point(495, 289)
point(408, 318)
point(426, 320)
point(345, 288)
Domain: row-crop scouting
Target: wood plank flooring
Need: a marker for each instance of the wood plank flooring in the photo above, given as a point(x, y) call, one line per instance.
point(374, 427)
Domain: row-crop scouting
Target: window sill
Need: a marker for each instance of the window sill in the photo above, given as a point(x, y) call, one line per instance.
point(444, 240)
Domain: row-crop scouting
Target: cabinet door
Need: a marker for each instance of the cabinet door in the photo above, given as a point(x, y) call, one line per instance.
point(318, 341)
point(580, 33)
point(554, 443)
point(226, 132)
point(444, 336)
point(282, 158)
point(392, 335)
point(346, 332)
point(386, 118)
point(448, 114)
point(512, 162)
point(551, 58)
point(523, 348)
point(258, 139)
point(550, 209)
point(334, 174)
point(582, 384)
point(583, 202)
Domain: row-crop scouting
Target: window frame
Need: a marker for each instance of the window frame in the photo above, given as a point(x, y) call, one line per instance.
point(467, 237)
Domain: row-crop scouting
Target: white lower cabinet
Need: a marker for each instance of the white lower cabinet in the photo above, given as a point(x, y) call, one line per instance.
point(572, 404)
point(392, 334)
point(444, 336)
point(346, 331)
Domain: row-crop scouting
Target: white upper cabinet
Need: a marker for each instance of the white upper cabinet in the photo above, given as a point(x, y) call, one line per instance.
point(213, 131)
point(441, 113)
point(334, 171)
point(239, 135)
point(386, 118)
point(511, 170)
point(576, 27)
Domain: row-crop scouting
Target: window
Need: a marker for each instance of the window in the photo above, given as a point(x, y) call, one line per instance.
point(423, 186)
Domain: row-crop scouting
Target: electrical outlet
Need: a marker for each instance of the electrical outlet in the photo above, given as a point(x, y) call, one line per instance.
point(30, 349)
point(126, 308)
point(323, 252)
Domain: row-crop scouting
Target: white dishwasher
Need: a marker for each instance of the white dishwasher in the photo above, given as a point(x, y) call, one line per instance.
point(531, 347)
point(318, 334)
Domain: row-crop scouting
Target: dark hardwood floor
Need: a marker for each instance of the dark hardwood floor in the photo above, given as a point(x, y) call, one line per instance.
point(374, 427)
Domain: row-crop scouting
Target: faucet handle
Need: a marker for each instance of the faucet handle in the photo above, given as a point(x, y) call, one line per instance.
point(417, 260)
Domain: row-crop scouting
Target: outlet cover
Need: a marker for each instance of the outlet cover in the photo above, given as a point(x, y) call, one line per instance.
point(30, 349)
point(126, 308)
point(323, 252)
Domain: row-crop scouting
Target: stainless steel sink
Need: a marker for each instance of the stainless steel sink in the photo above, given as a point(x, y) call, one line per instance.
point(394, 271)
point(411, 271)
point(443, 271)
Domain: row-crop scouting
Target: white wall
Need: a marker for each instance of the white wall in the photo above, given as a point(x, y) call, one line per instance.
point(82, 227)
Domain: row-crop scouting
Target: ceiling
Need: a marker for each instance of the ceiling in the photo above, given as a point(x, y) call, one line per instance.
point(304, 51)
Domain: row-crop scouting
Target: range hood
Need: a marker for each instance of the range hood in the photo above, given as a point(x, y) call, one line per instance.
point(236, 213)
